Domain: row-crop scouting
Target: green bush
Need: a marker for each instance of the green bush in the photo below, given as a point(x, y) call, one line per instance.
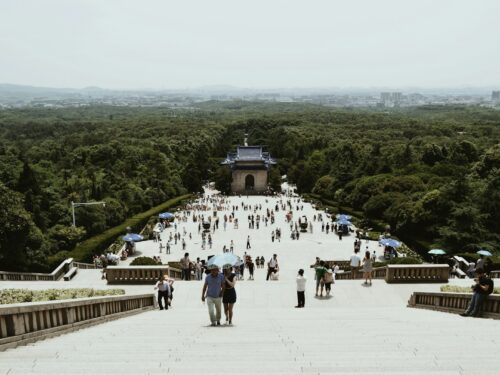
point(9, 296)
point(144, 261)
point(85, 250)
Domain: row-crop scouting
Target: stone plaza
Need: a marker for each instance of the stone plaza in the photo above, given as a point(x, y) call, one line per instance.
point(357, 330)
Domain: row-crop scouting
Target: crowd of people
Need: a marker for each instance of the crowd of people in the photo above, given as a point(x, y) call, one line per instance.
point(219, 286)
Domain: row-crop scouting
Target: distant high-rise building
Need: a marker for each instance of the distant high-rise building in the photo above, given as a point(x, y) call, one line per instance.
point(495, 95)
point(391, 98)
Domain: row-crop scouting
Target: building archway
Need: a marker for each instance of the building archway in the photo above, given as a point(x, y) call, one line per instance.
point(249, 182)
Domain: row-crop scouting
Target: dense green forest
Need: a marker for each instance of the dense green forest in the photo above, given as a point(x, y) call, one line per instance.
point(432, 173)
point(132, 159)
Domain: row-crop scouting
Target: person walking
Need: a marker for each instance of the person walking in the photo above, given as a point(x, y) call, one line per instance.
point(328, 280)
point(212, 293)
point(355, 262)
point(163, 288)
point(482, 288)
point(367, 267)
point(250, 266)
point(272, 266)
point(301, 289)
point(320, 273)
point(186, 267)
point(229, 294)
point(248, 243)
point(170, 282)
point(198, 269)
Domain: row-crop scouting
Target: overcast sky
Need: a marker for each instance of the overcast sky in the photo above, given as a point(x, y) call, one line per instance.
point(250, 43)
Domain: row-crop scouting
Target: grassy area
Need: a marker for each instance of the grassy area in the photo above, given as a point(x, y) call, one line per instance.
point(463, 289)
point(8, 296)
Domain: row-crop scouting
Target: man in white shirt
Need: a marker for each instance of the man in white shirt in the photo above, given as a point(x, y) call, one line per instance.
point(272, 266)
point(301, 288)
point(355, 263)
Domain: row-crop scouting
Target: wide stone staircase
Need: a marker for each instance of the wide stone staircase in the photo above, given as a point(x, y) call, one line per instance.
point(360, 329)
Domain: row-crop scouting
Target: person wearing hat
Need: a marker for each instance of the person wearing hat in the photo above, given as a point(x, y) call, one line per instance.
point(212, 292)
point(482, 288)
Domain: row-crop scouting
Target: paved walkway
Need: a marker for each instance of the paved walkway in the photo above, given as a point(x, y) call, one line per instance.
point(359, 330)
point(291, 253)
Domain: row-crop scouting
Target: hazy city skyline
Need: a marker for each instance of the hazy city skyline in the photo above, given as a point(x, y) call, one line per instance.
point(261, 44)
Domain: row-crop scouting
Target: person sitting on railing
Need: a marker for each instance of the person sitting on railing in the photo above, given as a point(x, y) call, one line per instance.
point(482, 288)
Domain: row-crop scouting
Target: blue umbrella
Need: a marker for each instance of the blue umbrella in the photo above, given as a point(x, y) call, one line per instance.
point(437, 252)
point(166, 215)
point(390, 242)
point(486, 253)
point(225, 259)
point(132, 237)
point(343, 217)
point(343, 222)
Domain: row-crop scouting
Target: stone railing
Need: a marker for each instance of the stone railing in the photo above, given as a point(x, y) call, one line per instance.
point(404, 273)
point(377, 273)
point(55, 275)
point(139, 274)
point(454, 302)
point(495, 274)
point(84, 266)
point(417, 273)
point(24, 323)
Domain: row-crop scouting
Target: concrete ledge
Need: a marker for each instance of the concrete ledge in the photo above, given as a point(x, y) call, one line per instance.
point(454, 303)
point(14, 342)
point(25, 323)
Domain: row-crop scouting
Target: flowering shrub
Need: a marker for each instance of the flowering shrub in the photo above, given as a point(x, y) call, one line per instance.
point(8, 296)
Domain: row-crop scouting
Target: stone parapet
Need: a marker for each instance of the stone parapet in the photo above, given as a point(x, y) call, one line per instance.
point(55, 275)
point(417, 273)
point(454, 302)
point(24, 323)
point(140, 274)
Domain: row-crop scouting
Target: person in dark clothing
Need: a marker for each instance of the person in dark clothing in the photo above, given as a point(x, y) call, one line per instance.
point(229, 294)
point(481, 290)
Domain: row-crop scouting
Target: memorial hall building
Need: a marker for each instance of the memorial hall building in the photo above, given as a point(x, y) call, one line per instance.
point(249, 166)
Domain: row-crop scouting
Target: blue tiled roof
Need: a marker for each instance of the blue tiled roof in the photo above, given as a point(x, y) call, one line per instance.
point(249, 153)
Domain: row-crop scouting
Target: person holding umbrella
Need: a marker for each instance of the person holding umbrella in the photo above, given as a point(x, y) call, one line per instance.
point(229, 293)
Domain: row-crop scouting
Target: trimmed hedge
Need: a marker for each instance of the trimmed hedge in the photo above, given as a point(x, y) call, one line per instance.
point(463, 289)
point(8, 296)
point(144, 261)
point(85, 250)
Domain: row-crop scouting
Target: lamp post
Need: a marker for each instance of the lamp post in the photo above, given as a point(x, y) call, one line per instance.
point(79, 204)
